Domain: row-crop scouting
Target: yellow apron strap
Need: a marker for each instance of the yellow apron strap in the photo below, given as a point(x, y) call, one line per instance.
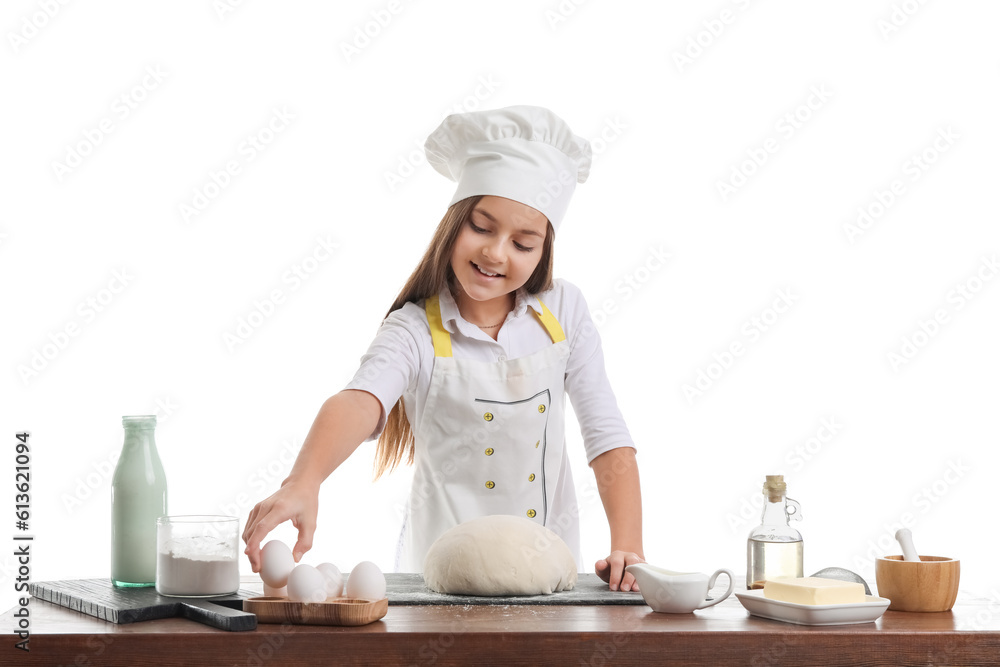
point(440, 337)
point(550, 323)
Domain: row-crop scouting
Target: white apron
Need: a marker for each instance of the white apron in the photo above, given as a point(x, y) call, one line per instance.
point(491, 441)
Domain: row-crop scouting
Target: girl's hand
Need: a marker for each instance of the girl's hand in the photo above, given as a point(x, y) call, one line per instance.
point(295, 500)
point(612, 570)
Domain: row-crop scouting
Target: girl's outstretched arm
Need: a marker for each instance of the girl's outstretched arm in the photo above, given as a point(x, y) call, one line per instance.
point(618, 483)
point(344, 422)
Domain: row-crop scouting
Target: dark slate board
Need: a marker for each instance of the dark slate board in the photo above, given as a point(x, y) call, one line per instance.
point(589, 590)
point(100, 598)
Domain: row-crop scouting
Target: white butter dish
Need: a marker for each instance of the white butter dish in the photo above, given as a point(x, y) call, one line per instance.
point(813, 614)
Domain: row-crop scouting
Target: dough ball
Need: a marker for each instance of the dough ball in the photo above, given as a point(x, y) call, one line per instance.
point(499, 555)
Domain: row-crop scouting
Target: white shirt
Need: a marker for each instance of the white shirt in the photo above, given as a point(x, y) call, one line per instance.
point(400, 359)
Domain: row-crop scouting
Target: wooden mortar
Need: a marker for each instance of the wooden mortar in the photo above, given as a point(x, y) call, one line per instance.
point(929, 585)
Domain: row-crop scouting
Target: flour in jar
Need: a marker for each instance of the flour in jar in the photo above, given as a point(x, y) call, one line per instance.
point(186, 568)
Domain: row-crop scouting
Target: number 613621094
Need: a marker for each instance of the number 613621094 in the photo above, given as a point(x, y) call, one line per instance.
point(22, 481)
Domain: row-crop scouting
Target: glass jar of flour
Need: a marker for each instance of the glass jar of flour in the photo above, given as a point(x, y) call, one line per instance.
point(196, 555)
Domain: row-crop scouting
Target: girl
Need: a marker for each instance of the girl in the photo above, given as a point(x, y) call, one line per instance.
point(467, 376)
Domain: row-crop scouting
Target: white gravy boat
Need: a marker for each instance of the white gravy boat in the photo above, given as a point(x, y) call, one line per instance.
point(676, 592)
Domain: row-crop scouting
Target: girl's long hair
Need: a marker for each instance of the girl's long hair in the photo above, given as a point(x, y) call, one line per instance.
point(431, 276)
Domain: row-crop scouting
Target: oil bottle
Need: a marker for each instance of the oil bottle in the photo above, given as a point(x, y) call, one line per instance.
point(774, 548)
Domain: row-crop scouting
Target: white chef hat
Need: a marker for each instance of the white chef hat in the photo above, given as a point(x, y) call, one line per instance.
point(524, 153)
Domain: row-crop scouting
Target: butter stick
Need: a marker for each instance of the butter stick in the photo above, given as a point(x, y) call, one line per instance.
point(813, 590)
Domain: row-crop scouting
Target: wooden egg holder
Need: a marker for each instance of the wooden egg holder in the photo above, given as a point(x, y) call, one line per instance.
point(333, 611)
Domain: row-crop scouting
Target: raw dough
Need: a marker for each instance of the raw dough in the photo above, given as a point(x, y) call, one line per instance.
point(499, 555)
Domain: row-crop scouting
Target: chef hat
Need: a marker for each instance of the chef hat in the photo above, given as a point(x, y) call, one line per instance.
point(524, 153)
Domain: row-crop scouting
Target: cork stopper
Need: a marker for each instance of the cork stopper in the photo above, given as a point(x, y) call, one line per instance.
point(774, 488)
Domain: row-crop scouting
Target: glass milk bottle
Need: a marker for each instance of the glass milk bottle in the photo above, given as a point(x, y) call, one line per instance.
point(774, 549)
point(138, 499)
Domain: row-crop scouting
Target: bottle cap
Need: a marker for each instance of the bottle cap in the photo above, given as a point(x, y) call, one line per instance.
point(774, 488)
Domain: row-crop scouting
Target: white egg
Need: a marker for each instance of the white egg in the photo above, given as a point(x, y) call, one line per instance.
point(276, 562)
point(306, 584)
point(334, 579)
point(272, 592)
point(366, 582)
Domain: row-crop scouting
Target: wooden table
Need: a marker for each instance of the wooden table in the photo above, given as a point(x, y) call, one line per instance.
point(518, 635)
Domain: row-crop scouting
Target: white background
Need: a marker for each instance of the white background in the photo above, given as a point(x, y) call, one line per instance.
point(911, 440)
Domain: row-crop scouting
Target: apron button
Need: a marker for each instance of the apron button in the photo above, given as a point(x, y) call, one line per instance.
point(541, 408)
point(489, 451)
point(490, 484)
point(488, 416)
point(531, 477)
point(531, 514)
